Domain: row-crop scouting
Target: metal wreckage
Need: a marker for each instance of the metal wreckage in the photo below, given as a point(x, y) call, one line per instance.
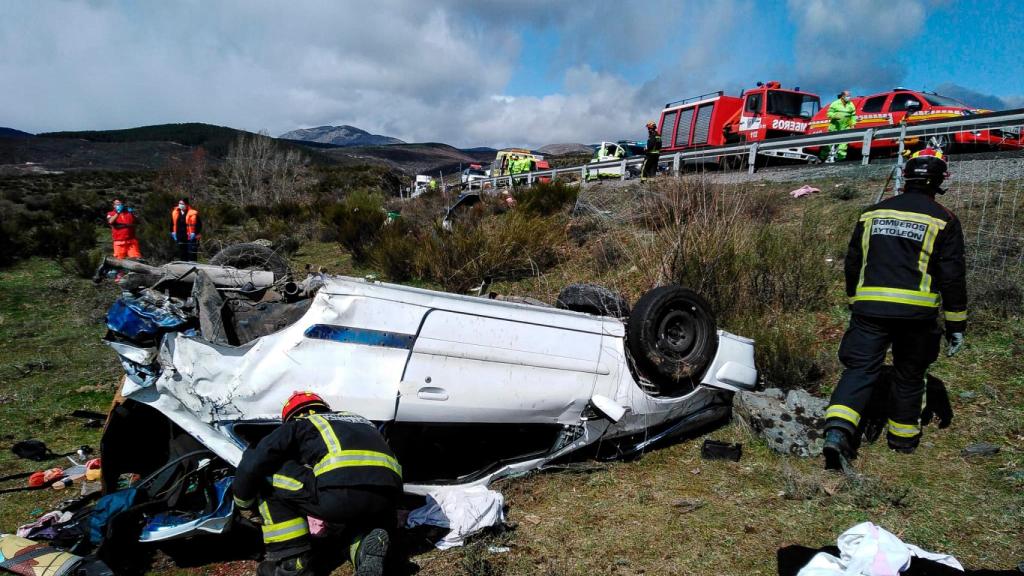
point(467, 389)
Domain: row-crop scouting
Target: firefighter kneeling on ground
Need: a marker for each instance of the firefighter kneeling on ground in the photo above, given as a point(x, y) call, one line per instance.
point(906, 258)
point(333, 466)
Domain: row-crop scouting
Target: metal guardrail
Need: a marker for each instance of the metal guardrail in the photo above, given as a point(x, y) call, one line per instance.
point(866, 136)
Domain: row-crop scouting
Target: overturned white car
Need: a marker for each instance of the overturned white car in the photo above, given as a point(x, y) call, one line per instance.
point(466, 389)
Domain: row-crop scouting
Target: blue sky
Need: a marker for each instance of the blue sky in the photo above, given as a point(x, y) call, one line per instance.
point(475, 72)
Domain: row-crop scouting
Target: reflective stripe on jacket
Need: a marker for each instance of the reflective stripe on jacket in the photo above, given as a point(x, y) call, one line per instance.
point(341, 449)
point(906, 259)
point(841, 115)
point(192, 223)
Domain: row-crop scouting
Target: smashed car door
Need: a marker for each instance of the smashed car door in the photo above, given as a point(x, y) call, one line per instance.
point(471, 368)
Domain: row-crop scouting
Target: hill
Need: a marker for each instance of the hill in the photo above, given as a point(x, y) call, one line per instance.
point(215, 139)
point(570, 148)
point(339, 136)
point(12, 133)
point(411, 159)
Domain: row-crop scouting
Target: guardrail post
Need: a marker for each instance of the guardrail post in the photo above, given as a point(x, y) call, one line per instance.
point(866, 149)
point(583, 175)
point(752, 159)
point(675, 164)
point(622, 166)
point(529, 178)
point(554, 174)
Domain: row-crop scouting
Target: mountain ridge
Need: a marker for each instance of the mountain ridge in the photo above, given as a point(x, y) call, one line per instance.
point(343, 135)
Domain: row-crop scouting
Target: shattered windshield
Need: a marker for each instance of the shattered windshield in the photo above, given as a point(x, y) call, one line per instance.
point(792, 104)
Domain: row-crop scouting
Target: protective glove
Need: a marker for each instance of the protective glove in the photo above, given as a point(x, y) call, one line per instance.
point(191, 237)
point(119, 208)
point(131, 210)
point(174, 235)
point(954, 342)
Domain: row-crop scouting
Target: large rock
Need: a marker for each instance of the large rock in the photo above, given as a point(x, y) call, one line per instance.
point(790, 423)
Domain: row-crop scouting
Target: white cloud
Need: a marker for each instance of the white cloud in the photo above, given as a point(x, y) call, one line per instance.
point(842, 44)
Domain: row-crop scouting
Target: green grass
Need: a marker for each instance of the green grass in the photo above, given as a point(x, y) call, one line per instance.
point(52, 362)
point(620, 518)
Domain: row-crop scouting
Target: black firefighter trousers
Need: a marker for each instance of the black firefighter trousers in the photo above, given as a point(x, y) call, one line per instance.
point(293, 495)
point(915, 345)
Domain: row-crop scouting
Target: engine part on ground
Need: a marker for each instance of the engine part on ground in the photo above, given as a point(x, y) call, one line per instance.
point(592, 299)
point(671, 336)
point(252, 256)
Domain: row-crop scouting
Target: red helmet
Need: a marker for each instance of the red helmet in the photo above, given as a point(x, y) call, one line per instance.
point(299, 401)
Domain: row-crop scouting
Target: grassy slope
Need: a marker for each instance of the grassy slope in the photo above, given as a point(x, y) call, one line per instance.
point(619, 519)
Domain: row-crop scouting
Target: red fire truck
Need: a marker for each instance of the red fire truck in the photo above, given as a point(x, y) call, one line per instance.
point(890, 108)
point(714, 119)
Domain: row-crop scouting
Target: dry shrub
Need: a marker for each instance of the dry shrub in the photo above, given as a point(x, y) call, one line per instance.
point(503, 247)
point(546, 198)
point(394, 254)
point(356, 223)
point(711, 239)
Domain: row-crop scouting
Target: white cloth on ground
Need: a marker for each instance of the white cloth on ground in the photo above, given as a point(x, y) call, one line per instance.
point(463, 510)
point(805, 190)
point(869, 550)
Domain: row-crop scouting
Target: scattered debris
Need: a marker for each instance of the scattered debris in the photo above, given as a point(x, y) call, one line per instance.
point(716, 450)
point(805, 190)
point(532, 519)
point(968, 395)
point(464, 511)
point(980, 449)
point(789, 423)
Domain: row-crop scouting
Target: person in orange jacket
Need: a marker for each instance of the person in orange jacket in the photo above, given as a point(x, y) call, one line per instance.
point(186, 229)
point(122, 231)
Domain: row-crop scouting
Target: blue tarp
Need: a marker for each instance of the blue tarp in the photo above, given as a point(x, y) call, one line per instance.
point(137, 319)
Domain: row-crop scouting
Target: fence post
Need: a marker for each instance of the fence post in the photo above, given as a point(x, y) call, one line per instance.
point(752, 159)
point(866, 149)
point(675, 164)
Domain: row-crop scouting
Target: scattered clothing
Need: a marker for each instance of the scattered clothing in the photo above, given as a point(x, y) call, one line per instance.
point(45, 522)
point(869, 550)
point(464, 511)
point(805, 190)
point(792, 558)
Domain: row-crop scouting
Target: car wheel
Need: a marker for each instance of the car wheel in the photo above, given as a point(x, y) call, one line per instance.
point(252, 256)
point(592, 299)
point(671, 335)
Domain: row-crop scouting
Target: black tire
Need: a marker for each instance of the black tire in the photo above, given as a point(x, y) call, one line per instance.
point(672, 336)
point(252, 256)
point(592, 299)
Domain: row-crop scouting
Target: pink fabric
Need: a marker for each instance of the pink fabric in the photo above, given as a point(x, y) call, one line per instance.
point(316, 525)
point(802, 191)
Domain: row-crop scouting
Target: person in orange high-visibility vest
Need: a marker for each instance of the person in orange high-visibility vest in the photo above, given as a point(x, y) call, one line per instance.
point(122, 231)
point(186, 230)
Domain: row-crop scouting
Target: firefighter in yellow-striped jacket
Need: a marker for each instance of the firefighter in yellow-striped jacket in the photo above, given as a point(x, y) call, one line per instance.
point(905, 263)
point(334, 466)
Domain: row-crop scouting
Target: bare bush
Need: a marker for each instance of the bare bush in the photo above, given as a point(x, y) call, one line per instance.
point(261, 172)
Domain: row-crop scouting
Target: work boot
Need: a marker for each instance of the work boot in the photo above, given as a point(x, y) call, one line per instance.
point(903, 445)
point(370, 553)
point(294, 566)
point(837, 448)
